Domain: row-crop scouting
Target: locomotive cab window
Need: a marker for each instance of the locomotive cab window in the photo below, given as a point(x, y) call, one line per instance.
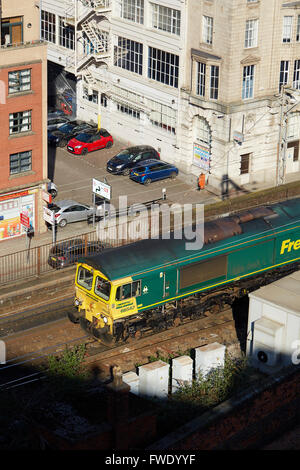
point(85, 278)
point(102, 288)
point(132, 289)
point(203, 272)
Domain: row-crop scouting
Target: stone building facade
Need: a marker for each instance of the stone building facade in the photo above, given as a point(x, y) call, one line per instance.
point(199, 80)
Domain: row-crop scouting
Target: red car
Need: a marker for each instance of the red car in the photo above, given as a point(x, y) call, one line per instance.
point(90, 140)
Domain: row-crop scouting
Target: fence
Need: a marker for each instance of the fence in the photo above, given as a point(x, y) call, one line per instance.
point(108, 233)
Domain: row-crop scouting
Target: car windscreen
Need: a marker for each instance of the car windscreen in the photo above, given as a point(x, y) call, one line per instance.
point(83, 137)
point(66, 128)
point(125, 155)
point(104, 133)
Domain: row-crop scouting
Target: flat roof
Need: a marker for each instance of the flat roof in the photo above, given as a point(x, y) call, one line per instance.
point(284, 293)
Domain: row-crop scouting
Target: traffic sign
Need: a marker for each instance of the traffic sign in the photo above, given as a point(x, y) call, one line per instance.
point(24, 219)
point(101, 189)
point(47, 197)
point(48, 216)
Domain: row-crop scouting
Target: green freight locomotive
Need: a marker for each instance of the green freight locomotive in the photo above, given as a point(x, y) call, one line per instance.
point(155, 284)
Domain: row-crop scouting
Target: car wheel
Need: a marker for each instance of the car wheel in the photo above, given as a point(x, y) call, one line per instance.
point(173, 175)
point(62, 223)
point(84, 151)
point(53, 193)
point(147, 181)
point(62, 143)
point(108, 145)
point(126, 172)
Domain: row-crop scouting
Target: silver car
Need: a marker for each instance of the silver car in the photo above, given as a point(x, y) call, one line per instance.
point(68, 211)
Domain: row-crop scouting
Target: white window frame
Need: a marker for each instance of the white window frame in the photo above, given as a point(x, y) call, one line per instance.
point(201, 79)
point(214, 82)
point(132, 60)
point(163, 67)
point(287, 29)
point(251, 33)
point(162, 116)
point(284, 73)
point(248, 82)
point(132, 10)
point(48, 26)
point(20, 122)
point(207, 29)
point(166, 19)
point(296, 75)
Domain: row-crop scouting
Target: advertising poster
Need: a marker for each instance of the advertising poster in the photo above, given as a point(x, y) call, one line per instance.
point(10, 207)
point(201, 157)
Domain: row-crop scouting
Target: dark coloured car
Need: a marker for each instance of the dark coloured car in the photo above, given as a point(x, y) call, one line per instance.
point(152, 170)
point(67, 253)
point(60, 137)
point(124, 161)
point(90, 140)
point(56, 122)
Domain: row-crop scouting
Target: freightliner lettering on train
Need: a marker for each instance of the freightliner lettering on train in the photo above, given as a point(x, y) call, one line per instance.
point(289, 245)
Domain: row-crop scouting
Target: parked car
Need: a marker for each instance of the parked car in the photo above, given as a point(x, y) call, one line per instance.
point(67, 253)
point(152, 170)
point(90, 140)
point(56, 122)
point(125, 160)
point(67, 211)
point(60, 137)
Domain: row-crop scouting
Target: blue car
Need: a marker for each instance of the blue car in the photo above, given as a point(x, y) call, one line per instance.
point(153, 170)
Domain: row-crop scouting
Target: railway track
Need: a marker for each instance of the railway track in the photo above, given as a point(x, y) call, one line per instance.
point(28, 349)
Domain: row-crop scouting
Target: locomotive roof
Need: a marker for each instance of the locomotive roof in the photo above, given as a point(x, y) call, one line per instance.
point(149, 254)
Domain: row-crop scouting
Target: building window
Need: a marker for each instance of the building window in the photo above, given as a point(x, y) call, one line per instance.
point(19, 80)
point(166, 19)
point(298, 29)
point(248, 82)
point(124, 108)
point(12, 30)
point(214, 82)
point(129, 55)
point(207, 31)
point(296, 77)
point(66, 35)
point(163, 67)
point(162, 116)
point(287, 28)
point(201, 71)
point(245, 162)
point(48, 26)
point(251, 33)
point(20, 162)
point(132, 10)
point(20, 122)
point(93, 98)
point(284, 73)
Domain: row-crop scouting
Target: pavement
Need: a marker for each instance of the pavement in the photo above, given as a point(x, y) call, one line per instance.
point(73, 175)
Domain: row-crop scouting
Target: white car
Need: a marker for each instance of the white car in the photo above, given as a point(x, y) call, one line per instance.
point(67, 211)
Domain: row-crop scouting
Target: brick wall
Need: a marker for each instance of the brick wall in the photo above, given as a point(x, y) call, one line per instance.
point(246, 422)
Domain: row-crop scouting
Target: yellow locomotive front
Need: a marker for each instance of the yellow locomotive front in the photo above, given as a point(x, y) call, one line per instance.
point(99, 307)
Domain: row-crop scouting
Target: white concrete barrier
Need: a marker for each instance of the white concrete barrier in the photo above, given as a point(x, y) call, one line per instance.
point(209, 357)
point(154, 379)
point(182, 372)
